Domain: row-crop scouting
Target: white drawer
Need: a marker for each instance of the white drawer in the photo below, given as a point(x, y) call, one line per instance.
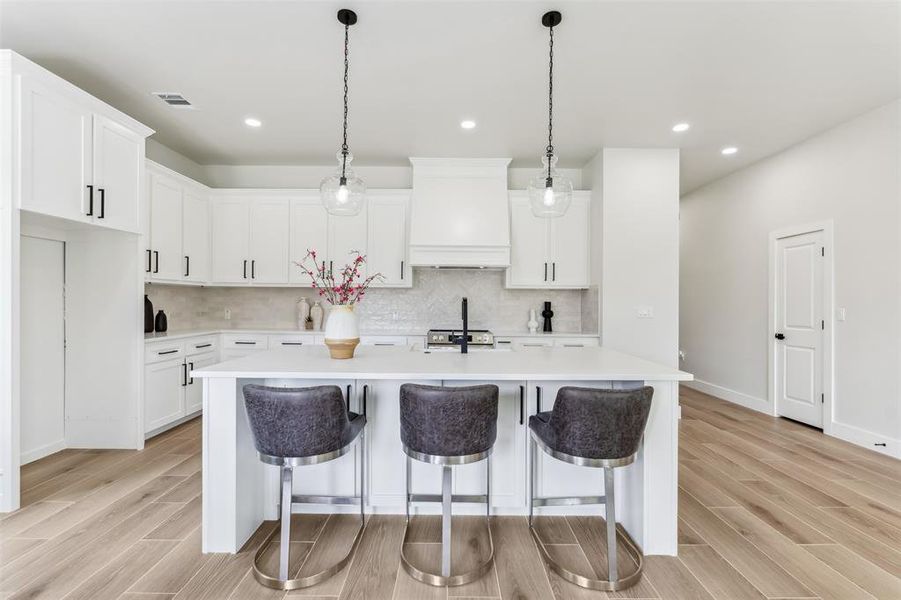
point(244, 342)
point(576, 342)
point(159, 351)
point(293, 340)
point(532, 342)
point(201, 345)
point(383, 340)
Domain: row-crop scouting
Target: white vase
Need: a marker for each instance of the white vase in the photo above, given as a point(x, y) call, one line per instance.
point(533, 321)
point(342, 333)
point(303, 311)
point(316, 315)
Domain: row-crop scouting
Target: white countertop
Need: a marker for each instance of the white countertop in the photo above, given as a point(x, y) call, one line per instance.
point(376, 362)
point(186, 333)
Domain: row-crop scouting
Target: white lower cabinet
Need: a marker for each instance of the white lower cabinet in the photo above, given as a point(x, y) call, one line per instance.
point(164, 393)
point(194, 387)
point(235, 345)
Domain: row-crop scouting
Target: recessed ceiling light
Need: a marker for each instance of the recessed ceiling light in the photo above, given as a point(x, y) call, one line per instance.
point(468, 124)
point(728, 150)
point(680, 127)
point(252, 122)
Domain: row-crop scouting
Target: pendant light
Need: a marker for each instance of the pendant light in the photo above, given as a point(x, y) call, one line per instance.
point(549, 193)
point(343, 193)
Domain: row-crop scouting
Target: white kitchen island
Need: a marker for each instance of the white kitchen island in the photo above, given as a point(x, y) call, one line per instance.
point(239, 491)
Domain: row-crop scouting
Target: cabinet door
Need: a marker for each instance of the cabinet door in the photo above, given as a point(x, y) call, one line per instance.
point(309, 231)
point(508, 465)
point(570, 244)
point(194, 389)
point(387, 243)
point(346, 235)
point(166, 257)
point(164, 393)
point(118, 163)
point(196, 236)
point(55, 153)
point(230, 247)
point(269, 247)
point(528, 246)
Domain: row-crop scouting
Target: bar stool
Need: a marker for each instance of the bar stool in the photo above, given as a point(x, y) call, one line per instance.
point(591, 428)
point(293, 427)
point(448, 426)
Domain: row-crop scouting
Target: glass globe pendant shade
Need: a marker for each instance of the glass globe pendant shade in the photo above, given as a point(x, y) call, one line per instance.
point(550, 194)
point(343, 193)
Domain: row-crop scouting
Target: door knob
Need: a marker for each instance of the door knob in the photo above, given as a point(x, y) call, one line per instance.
point(780, 336)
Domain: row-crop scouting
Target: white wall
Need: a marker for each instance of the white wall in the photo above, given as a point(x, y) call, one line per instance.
point(849, 174)
point(640, 254)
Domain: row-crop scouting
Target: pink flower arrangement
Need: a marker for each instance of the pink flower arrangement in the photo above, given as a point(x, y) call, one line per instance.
point(352, 287)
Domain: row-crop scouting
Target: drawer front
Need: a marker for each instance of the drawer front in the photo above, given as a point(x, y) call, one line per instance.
point(293, 341)
point(160, 351)
point(383, 340)
point(576, 342)
point(245, 343)
point(532, 342)
point(201, 345)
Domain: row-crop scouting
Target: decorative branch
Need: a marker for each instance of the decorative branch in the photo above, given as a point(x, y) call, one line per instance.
point(350, 290)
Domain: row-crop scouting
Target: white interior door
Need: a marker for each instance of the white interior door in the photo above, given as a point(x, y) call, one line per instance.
point(799, 327)
point(43, 349)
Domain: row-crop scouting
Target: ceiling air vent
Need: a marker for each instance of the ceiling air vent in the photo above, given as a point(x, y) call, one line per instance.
point(173, 99)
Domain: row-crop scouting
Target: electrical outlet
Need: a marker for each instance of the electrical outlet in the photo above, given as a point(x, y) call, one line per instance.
point(682, 355)
point(841, 314)
point(228, 314)
point(645, 312)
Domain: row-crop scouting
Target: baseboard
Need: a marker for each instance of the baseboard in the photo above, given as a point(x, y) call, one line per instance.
point(41, 452)
point(866, 439)
point(735, 397)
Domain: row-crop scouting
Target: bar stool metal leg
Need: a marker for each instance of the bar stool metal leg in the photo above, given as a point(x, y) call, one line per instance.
point(285, 542)
point(610, 506)
point(446, 490)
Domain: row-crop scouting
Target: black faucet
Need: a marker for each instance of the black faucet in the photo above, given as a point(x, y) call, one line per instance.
point(464, 340)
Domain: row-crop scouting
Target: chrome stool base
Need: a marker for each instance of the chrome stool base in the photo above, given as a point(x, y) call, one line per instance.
point(445, 578)
point(605, 585)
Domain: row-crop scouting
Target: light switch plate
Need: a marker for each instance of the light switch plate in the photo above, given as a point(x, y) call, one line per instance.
point(645, 312)
point(840, 314)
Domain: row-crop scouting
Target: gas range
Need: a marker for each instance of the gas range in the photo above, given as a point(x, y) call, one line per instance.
point(478, 339)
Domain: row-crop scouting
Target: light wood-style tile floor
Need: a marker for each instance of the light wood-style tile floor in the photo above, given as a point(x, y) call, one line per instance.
point(768, 509)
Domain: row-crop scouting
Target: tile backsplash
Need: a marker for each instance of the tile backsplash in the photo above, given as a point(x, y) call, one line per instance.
point(433, 301)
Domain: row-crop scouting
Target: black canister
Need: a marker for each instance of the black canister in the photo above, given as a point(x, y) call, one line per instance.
point(148, 315)
point(547, 313)
point(162, 323)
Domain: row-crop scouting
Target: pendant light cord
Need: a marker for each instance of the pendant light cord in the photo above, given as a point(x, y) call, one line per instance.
point(346, 66)
point(550, 106)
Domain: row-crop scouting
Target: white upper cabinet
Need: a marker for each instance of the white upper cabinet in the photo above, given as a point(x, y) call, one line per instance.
point(270, 227)
point(118, 164)
point(346, 235)
point(165, 228)
point(78, 158)
point(55, 153)
point(549, 253)
point(387, 243)
point(229, 218)
point(309, 231)
point(196, 236)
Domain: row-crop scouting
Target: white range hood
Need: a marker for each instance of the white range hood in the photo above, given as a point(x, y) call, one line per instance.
point(459, 214)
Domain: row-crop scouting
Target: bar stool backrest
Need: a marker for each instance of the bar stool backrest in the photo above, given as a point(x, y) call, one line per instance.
point(448, 421)
point(297, 422)
point(604, 424)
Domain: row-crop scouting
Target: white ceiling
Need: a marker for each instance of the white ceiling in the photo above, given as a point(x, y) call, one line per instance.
point(758, 75)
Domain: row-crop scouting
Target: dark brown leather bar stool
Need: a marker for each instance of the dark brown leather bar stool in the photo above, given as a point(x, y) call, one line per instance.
point(293, 427)
point(448, 426)
point(592, 428)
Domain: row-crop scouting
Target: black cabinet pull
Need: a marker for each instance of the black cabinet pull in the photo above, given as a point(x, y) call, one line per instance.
point(331, 266)
point(522, 395)
point(90, 200)
point(554, 271)
point(102, 203)
point(292, 343)
point(245, 269)
point(185, 374)
point(545, 271)
point(149, 260)
point(538, 399)
point(253, 269)
point(187, 266)
point(401, 270)
point(365, 391)
point(156, 261)
point(167, 352)
point(202, 345)
point(348, 397)
point(780, 336)
point(191, 368)
point(240, 343)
